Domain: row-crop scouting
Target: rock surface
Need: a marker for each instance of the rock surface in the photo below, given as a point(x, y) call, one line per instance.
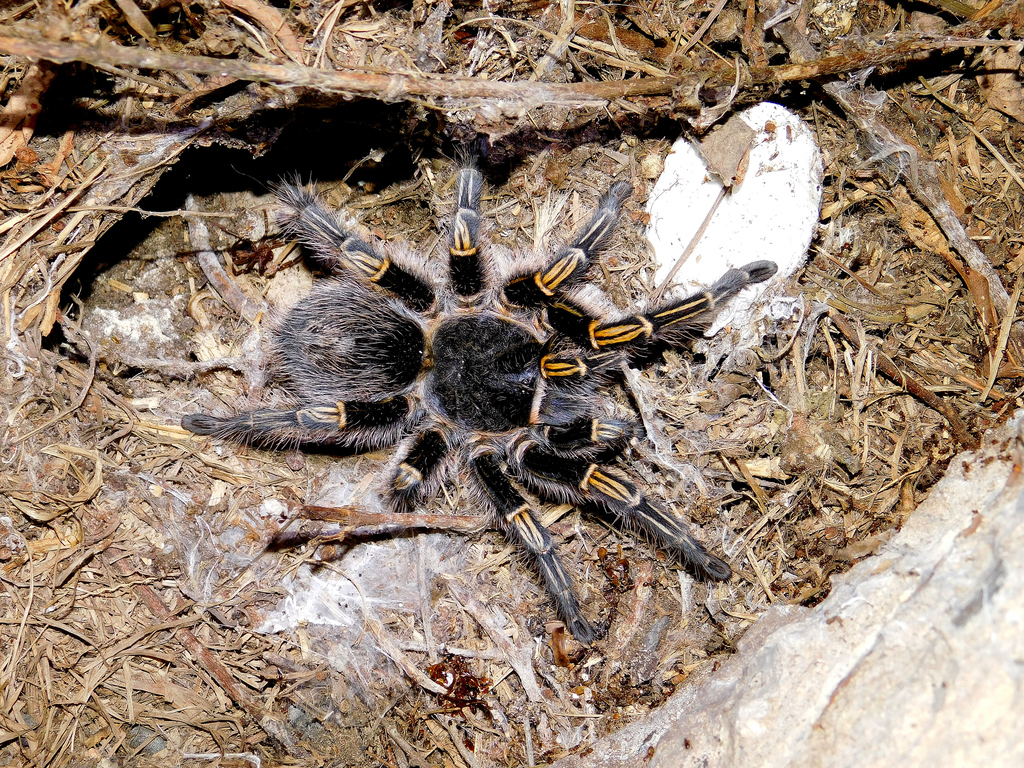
point(915, 658)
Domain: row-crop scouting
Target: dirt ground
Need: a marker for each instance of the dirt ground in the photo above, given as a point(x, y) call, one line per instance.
point(167, 599)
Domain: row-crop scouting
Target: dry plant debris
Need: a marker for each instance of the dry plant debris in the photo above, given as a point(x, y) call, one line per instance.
point(134, 560)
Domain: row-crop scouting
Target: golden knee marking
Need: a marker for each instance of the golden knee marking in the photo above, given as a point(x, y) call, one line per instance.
point(368, 263)
point(551, 365)
point(527, 528)
point(586, 477)
point(462, 239)
point(603, 431)
point(385, 265)
point(315, 417)
point(620, 333)
point(559, 272)
point(539, 280)
point(522, 509)
point(608, 485)
point(407, 477)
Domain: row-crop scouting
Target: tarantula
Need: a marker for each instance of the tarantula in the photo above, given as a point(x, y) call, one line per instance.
point(495, 372)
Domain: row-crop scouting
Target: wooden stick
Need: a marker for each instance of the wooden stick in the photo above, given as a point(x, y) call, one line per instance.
point(398, 86)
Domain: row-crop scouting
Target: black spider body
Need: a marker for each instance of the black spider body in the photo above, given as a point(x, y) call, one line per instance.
point(484, 374)
point(495, 375)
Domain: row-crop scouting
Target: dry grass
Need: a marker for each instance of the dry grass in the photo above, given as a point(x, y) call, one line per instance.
point(138, 562)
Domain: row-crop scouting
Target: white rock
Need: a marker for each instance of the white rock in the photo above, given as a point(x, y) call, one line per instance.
point(771, 214)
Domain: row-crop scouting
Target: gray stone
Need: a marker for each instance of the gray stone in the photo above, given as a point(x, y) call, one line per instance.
point(916, 658)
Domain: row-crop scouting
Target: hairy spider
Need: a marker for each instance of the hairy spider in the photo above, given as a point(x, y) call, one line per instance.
point(495, 372)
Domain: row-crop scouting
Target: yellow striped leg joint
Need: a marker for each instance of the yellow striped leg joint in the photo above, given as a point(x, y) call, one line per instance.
point(369, 264)
point(462, 238)
point(597, 481)
point(314, 418)
point(407, 477)
point(560, 271)
point(554, 366)
point(527, 528)
point(621, 333)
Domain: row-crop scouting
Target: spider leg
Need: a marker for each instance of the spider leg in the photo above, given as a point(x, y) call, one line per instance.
point(582, 482)
point(570, 319)
point(519, 524)
point(672, 323)
point(359, 425)
point(464, 267)
point(421, 465)
point(565, 391)
point(571, 367)
point(569, 266)
point(588, 436)
point(339, 250)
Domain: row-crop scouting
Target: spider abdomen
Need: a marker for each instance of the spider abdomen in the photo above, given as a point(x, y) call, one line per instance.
point(344, 342)
point(485, 372)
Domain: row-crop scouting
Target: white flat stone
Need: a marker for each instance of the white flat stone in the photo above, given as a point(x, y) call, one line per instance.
point(771, 214)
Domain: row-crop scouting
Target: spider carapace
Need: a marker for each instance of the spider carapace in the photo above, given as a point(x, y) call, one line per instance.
point(495, 372)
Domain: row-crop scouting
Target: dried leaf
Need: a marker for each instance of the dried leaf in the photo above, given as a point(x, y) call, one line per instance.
point(269, 17)
point(1001, 84)
point(18, 121)
point(727, 150)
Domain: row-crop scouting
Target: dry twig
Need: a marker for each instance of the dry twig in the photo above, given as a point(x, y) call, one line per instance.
point(401, 86)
